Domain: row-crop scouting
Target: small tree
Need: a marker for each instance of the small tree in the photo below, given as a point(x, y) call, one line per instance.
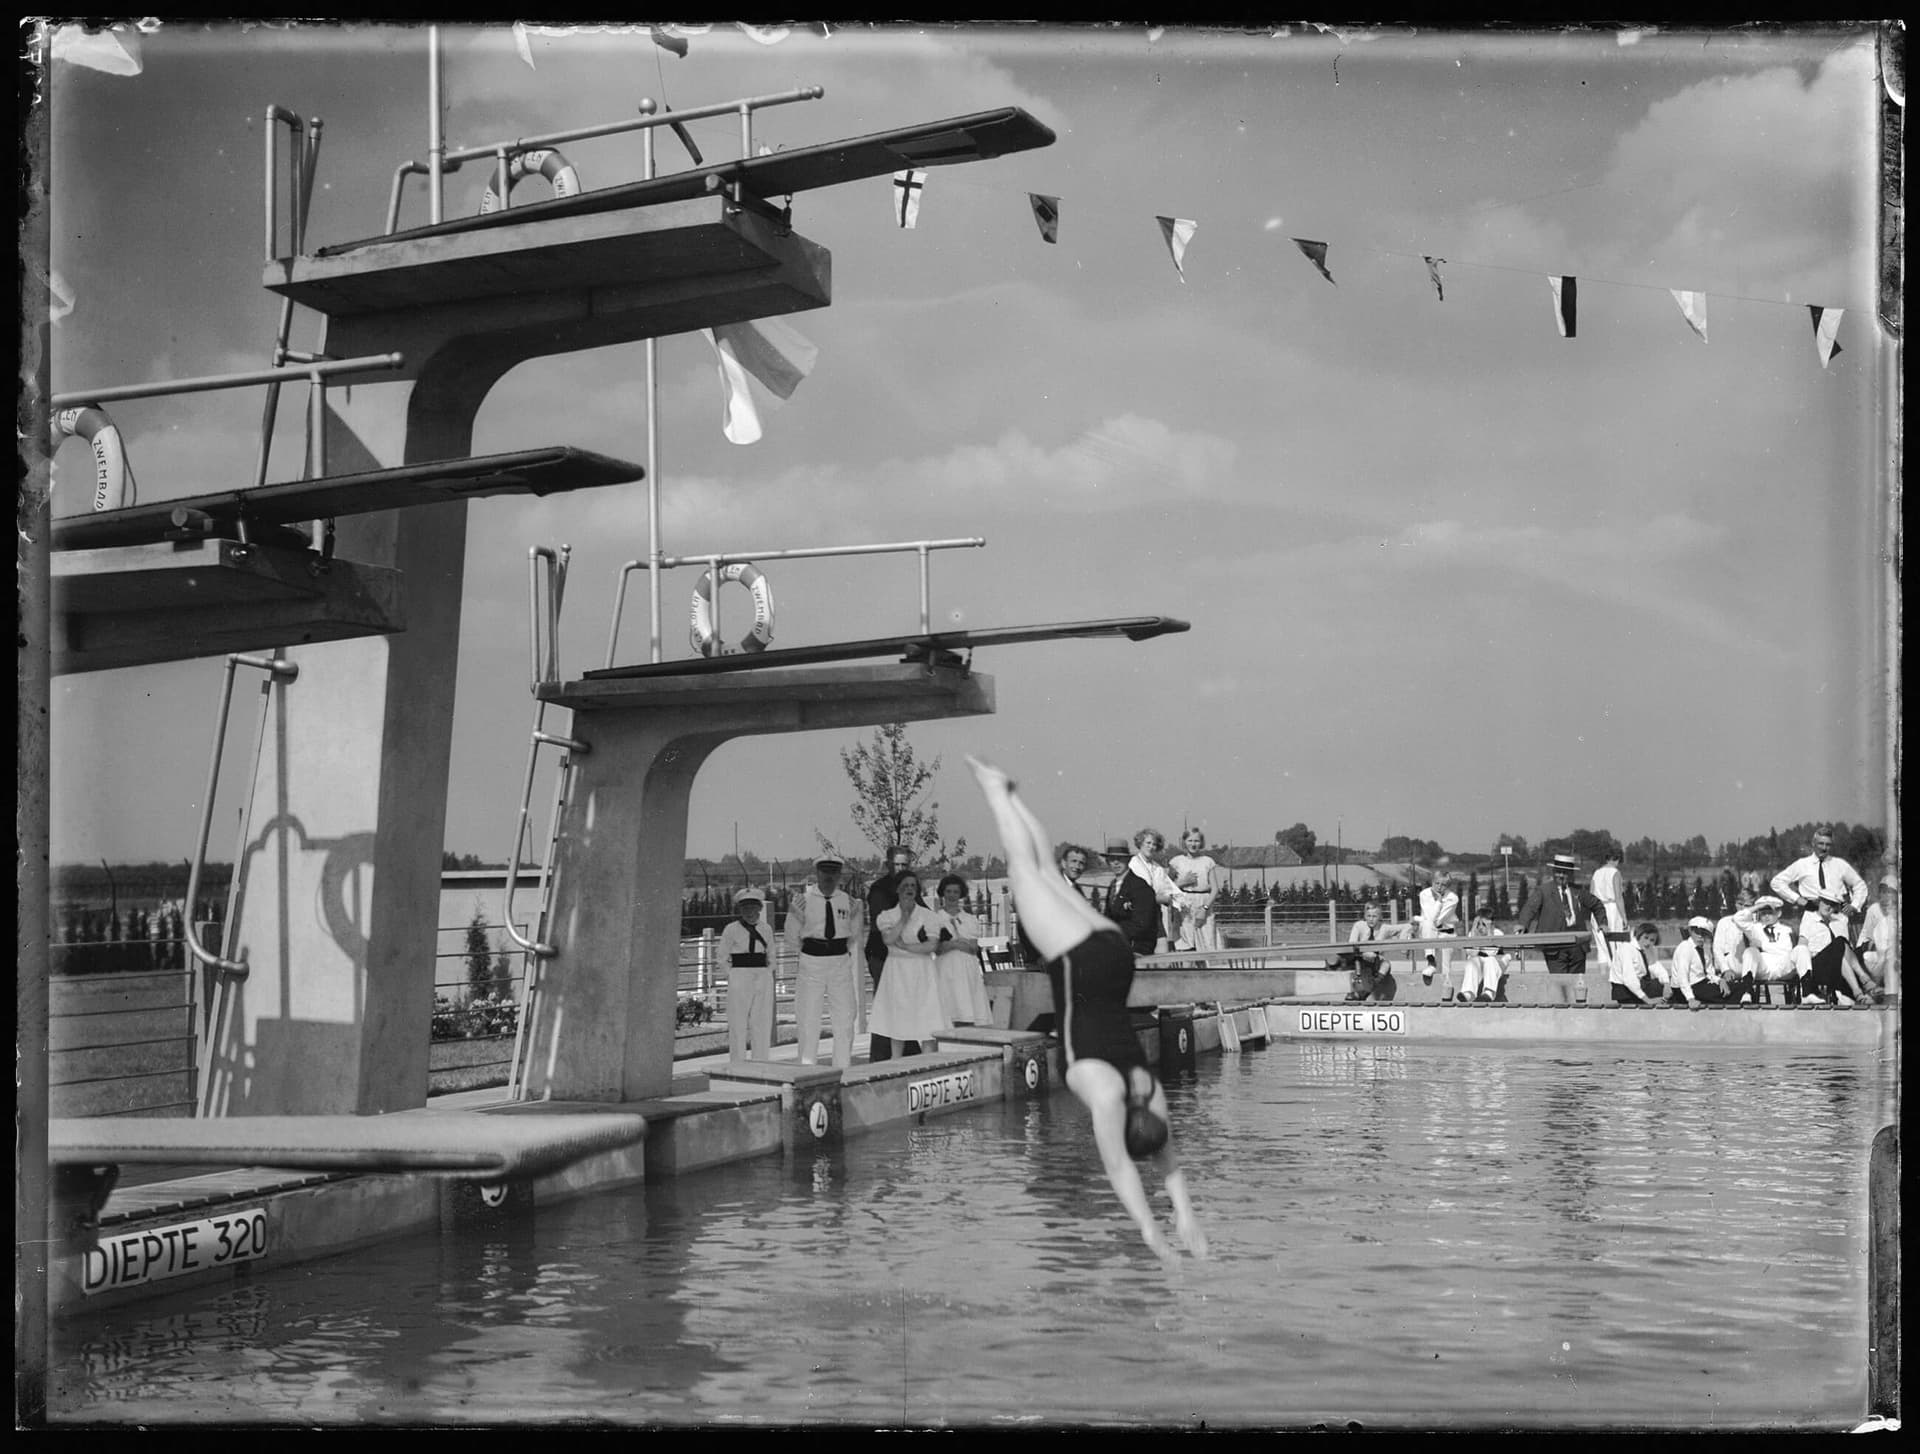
point(479, 955)
point(888, 784)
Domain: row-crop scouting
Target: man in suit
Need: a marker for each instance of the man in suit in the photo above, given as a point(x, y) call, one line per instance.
point(883, 894)
point(1132, 902)
point(1560, 905)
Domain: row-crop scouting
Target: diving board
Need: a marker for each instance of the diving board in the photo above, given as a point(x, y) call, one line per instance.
point(935, 648)
point(976, 137)
point(482, 1145)
point(547, 471)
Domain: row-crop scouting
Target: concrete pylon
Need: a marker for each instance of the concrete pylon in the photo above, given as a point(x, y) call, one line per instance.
point(601, 1024)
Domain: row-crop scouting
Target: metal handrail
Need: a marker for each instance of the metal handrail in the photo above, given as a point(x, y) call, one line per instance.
point(545, 665)
point(502, 151)
point(300, 156)
point(209, 383)
point(303, 206)
point(714, 561)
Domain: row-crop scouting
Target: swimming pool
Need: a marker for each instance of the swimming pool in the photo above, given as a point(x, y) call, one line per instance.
point(1417, 1234)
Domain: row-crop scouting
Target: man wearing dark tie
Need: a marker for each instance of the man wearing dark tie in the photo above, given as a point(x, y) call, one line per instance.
point(1560, 905)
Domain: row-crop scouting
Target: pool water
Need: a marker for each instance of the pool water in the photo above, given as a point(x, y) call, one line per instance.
point(1403, 1235)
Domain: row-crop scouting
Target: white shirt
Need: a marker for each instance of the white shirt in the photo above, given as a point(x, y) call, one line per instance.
point(734, 939)
point(1158, 879)
point(1830, 878)
point(1438, 911)
point(1606, 884)
point(807, 917)
point(1629, 967)
point(1690, 966)
point(1729, 938)
point(1772, 941)
point(1877, 931)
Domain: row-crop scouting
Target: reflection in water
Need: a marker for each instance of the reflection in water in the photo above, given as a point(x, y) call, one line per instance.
point(1404, 1234)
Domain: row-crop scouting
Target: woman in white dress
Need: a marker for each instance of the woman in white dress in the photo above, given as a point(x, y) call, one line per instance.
point(957, 970)
point(906, 1007)
point(1191, 912)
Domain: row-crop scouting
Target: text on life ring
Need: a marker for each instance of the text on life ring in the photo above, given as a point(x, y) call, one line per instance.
point(758, 636)
point(549, 164)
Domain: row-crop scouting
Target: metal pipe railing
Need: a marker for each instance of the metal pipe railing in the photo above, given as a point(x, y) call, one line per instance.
point(210, 383)
point(445, 162)
point(714, 562)
point(297, 156)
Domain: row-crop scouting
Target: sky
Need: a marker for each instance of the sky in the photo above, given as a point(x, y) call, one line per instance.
point(1449, 574)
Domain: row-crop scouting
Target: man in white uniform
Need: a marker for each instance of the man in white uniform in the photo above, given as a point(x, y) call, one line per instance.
point(1806, 881)
point(821, 926)
point(749, 959)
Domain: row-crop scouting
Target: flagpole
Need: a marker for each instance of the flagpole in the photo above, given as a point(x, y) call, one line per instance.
point(653, 434)
point(436, 143)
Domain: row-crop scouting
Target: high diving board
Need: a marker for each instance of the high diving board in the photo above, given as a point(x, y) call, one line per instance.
point(484, 1146)
point(546, 471)
point(976, 137)
point(935, 648)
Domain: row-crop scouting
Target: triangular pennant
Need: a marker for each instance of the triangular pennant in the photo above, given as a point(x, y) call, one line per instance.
point(907, 187)
point(1693, 308)
point(62, 301)
point(1826, 332)
point(666, 38)
point(1565, 295)
point(1178, 232)
point(1315, 253)
point(523, 43)
point(767, 352)
point(1433, 274)
point(116, 51)
point(1046, 213)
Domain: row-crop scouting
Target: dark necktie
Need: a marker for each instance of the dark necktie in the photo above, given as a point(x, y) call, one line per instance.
point(1769, 932)
point(829, 903)
point(1821, 869)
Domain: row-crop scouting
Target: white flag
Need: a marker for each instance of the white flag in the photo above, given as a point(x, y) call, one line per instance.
point(115, 51)
point(522, 43)
point(1826, 332)
point(1566, 293)
point(766, 352)
point(1178, 232)
point(61, 303)
point(907, 187)
point(1693, 307)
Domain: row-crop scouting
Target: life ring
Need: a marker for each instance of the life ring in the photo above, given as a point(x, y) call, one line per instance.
point(549, 164)
point(113, 486)
point(761, 632)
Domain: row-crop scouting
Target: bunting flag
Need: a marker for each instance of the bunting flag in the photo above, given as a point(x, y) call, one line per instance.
point(667, 39)
point(907, 187)
point(117, 51)
point(765, 34)
point(1433, 274)
point(523, 43)
point(1693, 308)
point(1046, 213)
point(60, 304)
point(1315, 253)
point(766, 352)
point(1565, 291)
point(1178, 232)
point(1826, 332)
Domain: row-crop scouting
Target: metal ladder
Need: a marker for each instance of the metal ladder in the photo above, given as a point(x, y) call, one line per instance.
point(544, 646)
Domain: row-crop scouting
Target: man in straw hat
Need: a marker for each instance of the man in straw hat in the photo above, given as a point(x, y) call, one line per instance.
point(1559, 905)
point(745, 950)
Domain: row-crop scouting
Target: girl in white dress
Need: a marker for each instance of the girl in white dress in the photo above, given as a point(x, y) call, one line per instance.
point(963, 983)
point(1191, 912)
point(906, 1007)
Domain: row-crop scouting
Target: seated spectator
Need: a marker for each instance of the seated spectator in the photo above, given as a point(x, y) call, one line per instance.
point(1484, 981)
point(1825, 960)
point(1371, 979)
point(1772, 950)
point(1734, 960)
point(1876, 935)
point(1691, 980)
point(1630, 976)
point(1439, 916)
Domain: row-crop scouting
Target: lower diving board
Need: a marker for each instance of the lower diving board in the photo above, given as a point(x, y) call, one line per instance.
point(488, 1146)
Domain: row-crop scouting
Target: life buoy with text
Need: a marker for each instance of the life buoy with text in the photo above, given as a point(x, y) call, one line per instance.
point(758, 636)
point(549, 164)
point(113, 486)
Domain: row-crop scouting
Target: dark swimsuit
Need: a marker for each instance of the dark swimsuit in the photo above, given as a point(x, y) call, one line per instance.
point(1090, 986)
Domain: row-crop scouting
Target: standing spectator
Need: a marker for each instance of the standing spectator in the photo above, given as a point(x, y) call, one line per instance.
point(1370, 978)
point(1484, 980)
point(1632, 977)
point(749, 961)
point(957, 970)
point(1691, 978)
point(1805, 882)
point(1877, 933)
point(1772, 950)
point(1439, 916)
point(821, 925)
point(1191, 918)
point(1136, 896)
point(1611, 890)
point(882, 894)
point(906, 1006)
point(1734, 959)
point(1560, 907)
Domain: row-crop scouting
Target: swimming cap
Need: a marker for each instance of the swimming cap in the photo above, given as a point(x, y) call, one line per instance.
point(1146, 1132)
